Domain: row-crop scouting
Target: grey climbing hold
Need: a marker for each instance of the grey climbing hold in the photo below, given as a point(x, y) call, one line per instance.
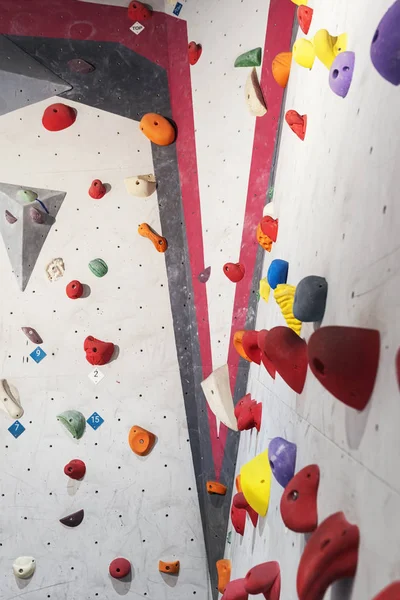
point(251, 58)
point(204, 276)
point(32, 335)
point(98, 267)
point(74, 519)
point(74, 421)
point(26, 196)
point(10, 218)
point(36, 215)
point(24, 567)
point(78, 65)
point(9, 400)
point(310, 299)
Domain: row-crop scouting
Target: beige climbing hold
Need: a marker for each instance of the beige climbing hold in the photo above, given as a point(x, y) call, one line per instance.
point(141, 186)
point(254, 96)
point(24, 567)
point(217, 390)
point(10, 401)
point(55, 269)
point(284, 296)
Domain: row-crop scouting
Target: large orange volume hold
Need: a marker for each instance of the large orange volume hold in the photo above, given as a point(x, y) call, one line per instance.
point(172, 568)
point(141, 441)
point(224, 573)
point(158, 129)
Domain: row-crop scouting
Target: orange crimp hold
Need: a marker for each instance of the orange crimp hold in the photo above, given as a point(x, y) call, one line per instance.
point(141, 441)
point(224, 574)
point(238, 345)
point(238, 484)
point(263, 239)
point(214, 487)
point(168, 567)
point(159, 242)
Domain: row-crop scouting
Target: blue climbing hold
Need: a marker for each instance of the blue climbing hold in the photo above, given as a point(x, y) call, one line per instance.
point(277, 272)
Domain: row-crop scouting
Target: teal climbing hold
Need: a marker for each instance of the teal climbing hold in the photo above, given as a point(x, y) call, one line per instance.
point(98, 267)
point(27, 195)
point(74, 421)
point(251, 58)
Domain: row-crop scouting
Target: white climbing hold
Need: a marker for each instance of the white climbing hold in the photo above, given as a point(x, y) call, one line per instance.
point(217, 390)
point(24, 567)
point(253, 94)
point(269, 210)
point(10, 401)
point(55, 269)
point(141, 186)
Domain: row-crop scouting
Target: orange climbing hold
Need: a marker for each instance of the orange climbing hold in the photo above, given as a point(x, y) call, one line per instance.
point(238, 344)
point(263, 239)
point(238, 484)
point(159, 242)
point(281, 68)
point(224, 573)
point(297, 123)
point(141, 441)
point(214, 487)
point(172, 568)
point(157, 129)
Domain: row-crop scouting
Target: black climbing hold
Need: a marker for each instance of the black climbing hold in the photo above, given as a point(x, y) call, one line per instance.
point(73, 520)
point(310, 299)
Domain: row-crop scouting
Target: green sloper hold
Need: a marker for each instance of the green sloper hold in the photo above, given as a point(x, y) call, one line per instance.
point(251, 58)
point(98, 267)
point(27, 195)
point(74, 421)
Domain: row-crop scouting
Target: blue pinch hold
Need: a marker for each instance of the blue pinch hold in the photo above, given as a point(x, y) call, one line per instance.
point(277, 272)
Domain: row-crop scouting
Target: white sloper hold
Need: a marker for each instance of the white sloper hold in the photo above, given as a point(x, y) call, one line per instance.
point(24, 567)
point(217, 390)
point(10, 401)
point(254, 97)
point(141, 186)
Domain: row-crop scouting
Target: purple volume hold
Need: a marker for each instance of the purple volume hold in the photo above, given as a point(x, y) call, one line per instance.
point(341, 73)
point(385, 47)
point(282, 459)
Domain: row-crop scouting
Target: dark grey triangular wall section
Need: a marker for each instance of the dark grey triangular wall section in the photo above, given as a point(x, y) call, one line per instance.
point(24, 238)
point(24, 81)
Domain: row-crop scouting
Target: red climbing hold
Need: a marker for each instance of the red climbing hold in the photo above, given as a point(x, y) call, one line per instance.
point(194, 52)
point(240, 502)
point(299, 501)
point(248, 413)
point(75, 469)
point(234, 271)
point(97, 190)
point(391, 592)
point(238, 518)
point(119, 567)
point(250, 346)
point(235, 590)
point(74, 289)
point(288, 352)
point(268, 364)
point(297, 123)
point(345, 361)
point(242, 403)
point(269, 227)
point(137, 11)
point(304, 17)
point(58, 116)
point(264, 579)
point(330, 554)
point(98, 352)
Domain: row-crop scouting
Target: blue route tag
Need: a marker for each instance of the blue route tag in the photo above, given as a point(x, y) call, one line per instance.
point(95, 421)
point(16, 429)
point(38, 354)
point(178, 8)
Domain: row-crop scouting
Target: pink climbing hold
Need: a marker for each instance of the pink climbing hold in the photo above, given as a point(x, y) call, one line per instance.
point(97, 190)
point(58, 116)
point(36, 216)
point(194, 52)
point(119, 568)
point(75, 469)
point(235, 590)
point(264, 579)
point(234, 271)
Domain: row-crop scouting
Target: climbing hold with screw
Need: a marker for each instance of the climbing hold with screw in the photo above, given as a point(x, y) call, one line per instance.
point(10, 218)
point(269, 226)
point(74, 289)
point(214, 487)
point(98, 267)
point(194, 52)
point(97, 189)
point(137, 11)
point(251, 58)
point(204, 276)
point(157, 129)
point(98, 352)
point(304, 17)
point(10, 400)
point(254, 96)
point(304, 53)
point(159, 242)
point(282, 459)
point(141, 441)
point(299, 501)
point(79, 65)
point(224, 573)
point(172, 568)
point(238, 519)
point(36, 216)
point(297, 123)
point(234, 271)
point(248, 413)
point(327, 46)
point(119, 568)
point(255, 479)
point(281, 68)
point(385, 46)
point(74, 422)
point(24, 567)
point(141, 186)
point(32, 335)
point(341, 73)
point(58, 116)
point(310, 299)
point(75, 469)
point(74, 519)
point(26, 196)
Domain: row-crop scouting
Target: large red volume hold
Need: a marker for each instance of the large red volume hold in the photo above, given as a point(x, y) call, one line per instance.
point(58, 116)
point(235, 590)
point(330, 554)
point(250, 346)
point(269, 227)
point(299, 501)
point(98, 352)
point(391, 592)
point(238, 518)
point(137, 11)
point(264, 579)
point(345, 361)
point(288, 352)
point(240, 502)
point(268, 364)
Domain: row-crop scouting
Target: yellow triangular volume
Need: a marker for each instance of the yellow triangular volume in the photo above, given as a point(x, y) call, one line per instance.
point(255, 481)
point(284, 295)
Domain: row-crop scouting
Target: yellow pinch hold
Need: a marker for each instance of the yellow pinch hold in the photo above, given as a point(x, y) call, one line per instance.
point(284, 296)
point(328, 46)
point(264, 289)
point(255, 480)
point(304, 53)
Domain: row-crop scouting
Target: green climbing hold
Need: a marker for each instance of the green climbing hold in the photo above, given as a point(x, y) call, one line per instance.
point(98, 267)
point(27, 195)
point(74, 421)
point(229, 537)
point(251, 58)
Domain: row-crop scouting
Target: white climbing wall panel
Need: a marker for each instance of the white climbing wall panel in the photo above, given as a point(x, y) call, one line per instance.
point(144, 509)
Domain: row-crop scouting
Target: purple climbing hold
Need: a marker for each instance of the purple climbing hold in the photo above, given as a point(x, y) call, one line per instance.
point(78, 65)
point(282, 459)
point(10, 218)
point(204, 276)
point(36, 215)
point(32, 335)
point(341, 73)
point(385, 46)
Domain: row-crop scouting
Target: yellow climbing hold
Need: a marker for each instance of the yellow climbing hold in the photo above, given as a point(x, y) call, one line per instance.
point(304, 53)
point(327, 46)
point(255, 480)
point(264, 289)
point(284, 295)
point(300, 2)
